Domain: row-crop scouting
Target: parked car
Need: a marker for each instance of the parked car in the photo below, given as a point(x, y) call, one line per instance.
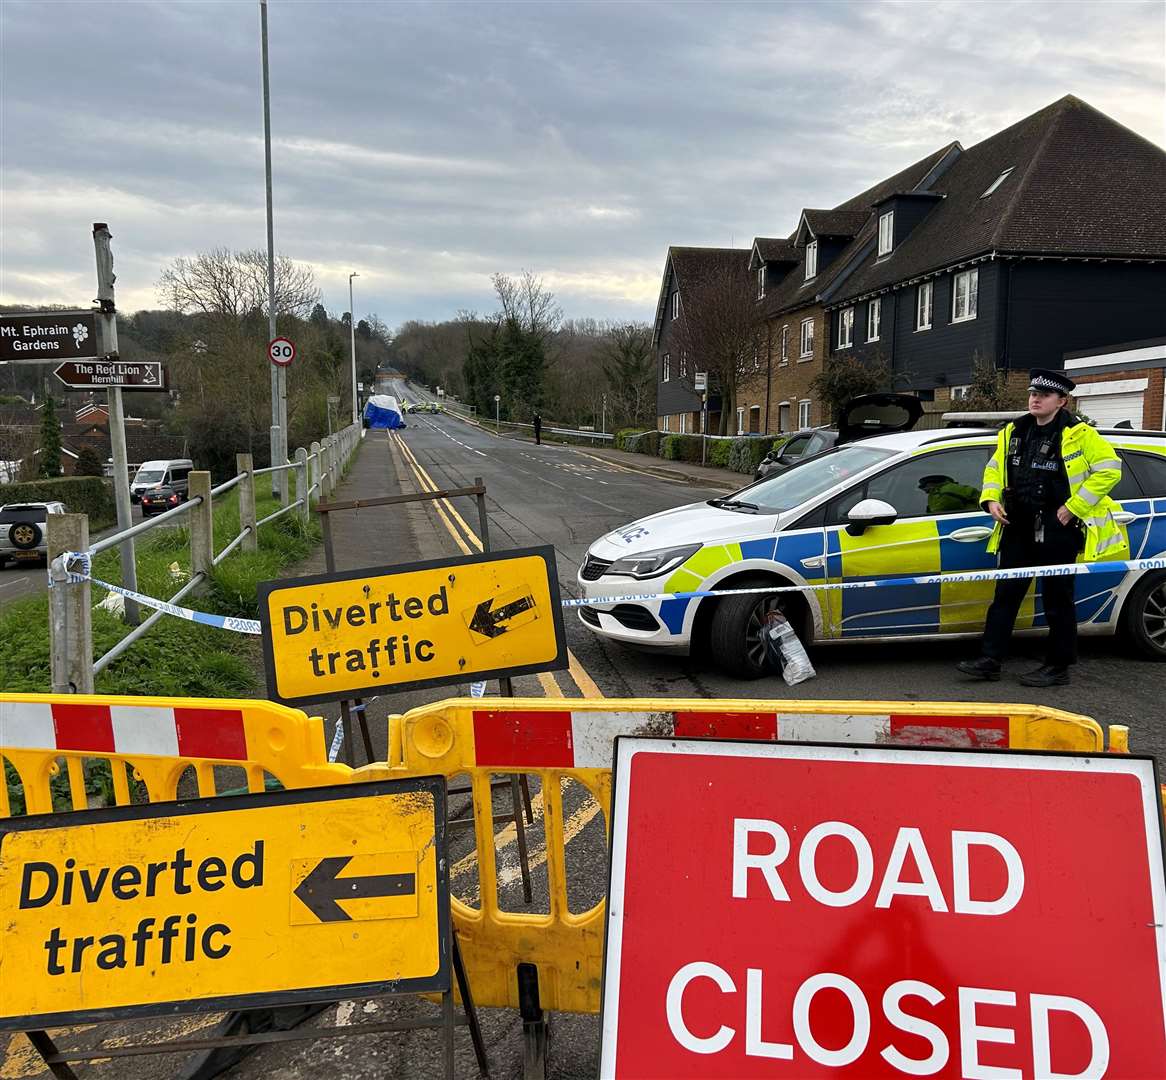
point(158, 500)
point(864, 416)
point(24, 531)
point(903, 504)
point(152, 475)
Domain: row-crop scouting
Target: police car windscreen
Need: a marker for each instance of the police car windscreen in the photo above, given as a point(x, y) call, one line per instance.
point(814, 476)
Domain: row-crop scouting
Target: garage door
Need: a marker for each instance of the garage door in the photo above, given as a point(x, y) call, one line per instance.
point(1106, 410)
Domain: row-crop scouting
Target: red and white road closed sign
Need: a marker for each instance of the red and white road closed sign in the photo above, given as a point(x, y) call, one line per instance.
point(781, 910)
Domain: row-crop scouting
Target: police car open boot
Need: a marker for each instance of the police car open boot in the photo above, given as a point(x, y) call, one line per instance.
point(1046, 675)
point(983, 667)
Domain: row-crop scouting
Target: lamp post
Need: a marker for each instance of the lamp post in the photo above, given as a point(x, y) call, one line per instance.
point(497, 416)
point(352, 342)
point(603, 422)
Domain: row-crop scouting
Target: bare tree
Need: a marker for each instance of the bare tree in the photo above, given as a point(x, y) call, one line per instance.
point(722, 329)
point(234, 283)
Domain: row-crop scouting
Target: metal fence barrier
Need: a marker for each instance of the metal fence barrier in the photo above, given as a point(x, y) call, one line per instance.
point(316, 473)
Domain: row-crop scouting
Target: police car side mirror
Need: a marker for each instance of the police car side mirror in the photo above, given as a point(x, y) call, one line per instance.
point(867, 513)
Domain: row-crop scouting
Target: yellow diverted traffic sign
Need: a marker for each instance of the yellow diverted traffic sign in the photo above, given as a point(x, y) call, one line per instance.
point(341, 635)
point(224, 903)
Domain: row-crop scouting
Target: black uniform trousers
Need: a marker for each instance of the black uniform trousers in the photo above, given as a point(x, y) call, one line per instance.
point(1018, 548)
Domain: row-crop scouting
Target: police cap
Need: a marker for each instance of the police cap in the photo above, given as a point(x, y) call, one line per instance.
point(1045, 380)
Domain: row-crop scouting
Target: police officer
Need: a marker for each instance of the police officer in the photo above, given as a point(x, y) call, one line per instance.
point(538, 429)
point(945, 496)
point(1047, 487)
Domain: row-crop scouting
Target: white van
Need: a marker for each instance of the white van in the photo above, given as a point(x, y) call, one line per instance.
point(174, 473)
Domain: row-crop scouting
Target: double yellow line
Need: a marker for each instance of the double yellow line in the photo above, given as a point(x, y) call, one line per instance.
point(470, 543)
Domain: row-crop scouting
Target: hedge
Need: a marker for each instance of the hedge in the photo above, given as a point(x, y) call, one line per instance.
point(681, 448)
point(639, 442)
point(90, 495)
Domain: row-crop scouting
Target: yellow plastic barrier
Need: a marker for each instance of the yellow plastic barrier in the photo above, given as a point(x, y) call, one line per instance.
point(154, 740)
point(557, 740)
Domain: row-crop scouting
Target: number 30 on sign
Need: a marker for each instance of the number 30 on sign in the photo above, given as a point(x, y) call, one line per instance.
point(281, 351)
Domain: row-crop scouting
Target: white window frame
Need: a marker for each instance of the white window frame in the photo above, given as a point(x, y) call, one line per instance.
point(666, 423)
point(874, 318)
point(785, 344)
point(740, 419)
point(924, 298)
point(886, 233)
point(684, 363)
point(806, 343)
point(676, 304)
point(666, 367)
point(970, 279)
point(958, 393)
point(761, 282)
point(804, 413)
point(811, 260)
point(846, 328)
point(683, 429)
point(783, 405)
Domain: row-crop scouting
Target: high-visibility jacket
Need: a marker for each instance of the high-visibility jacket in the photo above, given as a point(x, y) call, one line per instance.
point(1093, 469)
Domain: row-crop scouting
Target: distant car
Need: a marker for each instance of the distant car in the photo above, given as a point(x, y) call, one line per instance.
point(862, 418)
point(158, 500)
point(153, 475)
point(24, 531)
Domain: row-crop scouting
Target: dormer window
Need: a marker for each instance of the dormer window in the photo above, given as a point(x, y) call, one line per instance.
point(761, 283)
point(998, 181)
point(886, 232)
point(811, 259)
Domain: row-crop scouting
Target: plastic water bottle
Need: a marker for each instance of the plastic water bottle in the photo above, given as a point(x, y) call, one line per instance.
point(785, 643)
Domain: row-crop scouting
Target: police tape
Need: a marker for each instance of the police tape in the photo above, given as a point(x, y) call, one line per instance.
point(1059, 570)
point(71, 559)
point(77, 566)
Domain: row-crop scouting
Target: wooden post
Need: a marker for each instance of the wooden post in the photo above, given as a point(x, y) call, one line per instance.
point(314, 470)
point(70, 622)
point(202, 534)
point(302, 483)
point(247, 517)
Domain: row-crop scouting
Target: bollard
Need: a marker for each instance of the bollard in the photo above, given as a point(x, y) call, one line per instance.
point(245, 465)
point(202, 538)
point(70, 621)
point(302, 483)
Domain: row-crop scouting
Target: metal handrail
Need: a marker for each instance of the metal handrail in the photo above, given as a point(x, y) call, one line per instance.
point(103, 662)
point(144, 526)
point(226, 485)
point(231, 546)
point(274, 468)
point(280, 512)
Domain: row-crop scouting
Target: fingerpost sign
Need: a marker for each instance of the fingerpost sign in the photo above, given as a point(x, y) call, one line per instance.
point(794, 910)
point(281, 351)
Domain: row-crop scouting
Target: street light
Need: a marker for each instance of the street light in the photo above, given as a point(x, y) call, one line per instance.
point(497, 420)
point(352, 341)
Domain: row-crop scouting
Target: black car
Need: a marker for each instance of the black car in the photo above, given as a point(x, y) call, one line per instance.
point(158, 500)
point(862, 417)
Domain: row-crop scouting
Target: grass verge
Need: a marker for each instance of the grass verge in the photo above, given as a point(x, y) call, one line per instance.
point(175, 658)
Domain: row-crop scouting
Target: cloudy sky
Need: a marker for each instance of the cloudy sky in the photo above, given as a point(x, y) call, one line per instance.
point(427, 146)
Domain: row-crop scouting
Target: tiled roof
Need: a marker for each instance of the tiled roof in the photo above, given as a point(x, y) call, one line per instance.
point(1080, 184)
point(835, 223)
point(793, 290)
point(696, 267)
point(775, 250)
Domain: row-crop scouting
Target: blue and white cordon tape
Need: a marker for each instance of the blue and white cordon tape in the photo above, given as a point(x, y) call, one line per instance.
point(78, 565)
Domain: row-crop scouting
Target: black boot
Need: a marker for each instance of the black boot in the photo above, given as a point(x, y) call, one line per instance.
point(1046, 675)
point(982, 668)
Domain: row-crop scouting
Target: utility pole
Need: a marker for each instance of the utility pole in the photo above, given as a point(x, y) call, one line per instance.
point(603, 423)
point(352, 342)
point(117, 424)
point(279, 485)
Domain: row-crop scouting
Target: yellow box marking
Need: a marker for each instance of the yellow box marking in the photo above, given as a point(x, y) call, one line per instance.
point(199, 906)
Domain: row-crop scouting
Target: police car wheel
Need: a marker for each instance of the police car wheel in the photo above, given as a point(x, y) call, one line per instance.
point(736, 635)
point(1145, 617)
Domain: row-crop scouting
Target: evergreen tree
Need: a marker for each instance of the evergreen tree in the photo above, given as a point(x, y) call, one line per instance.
point(88, 463)
point(50, 440)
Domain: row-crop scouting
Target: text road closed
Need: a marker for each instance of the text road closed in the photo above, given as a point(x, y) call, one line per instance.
point(795, 911)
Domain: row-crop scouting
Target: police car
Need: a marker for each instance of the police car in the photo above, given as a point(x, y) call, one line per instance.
point(899, 504)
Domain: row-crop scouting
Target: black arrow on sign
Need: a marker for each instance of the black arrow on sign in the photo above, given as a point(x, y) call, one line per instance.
point(320, 890)
point(486, 622)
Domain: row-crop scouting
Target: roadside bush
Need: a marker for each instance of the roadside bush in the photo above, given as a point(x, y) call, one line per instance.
point(645, 442)
point(92, 495)
point(718, 452)
point(680, 448)
point(746, 454)
point(623, 436)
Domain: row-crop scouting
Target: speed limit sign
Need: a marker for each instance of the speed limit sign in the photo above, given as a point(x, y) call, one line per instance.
point(281, 351)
